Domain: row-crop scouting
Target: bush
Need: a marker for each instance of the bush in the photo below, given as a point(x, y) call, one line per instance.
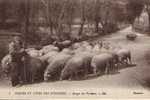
point(47, 40)
point(3, 52)
point(33, 38)
point(111, 27)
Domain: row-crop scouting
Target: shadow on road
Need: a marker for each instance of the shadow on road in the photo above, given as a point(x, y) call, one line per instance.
point(125, 66)
point(116, 71)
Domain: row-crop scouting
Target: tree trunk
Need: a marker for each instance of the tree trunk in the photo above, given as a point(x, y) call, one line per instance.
point(82, 19)
point(51, 29)
point(81, 27)
point(27, 19)
point(60, 20)
point(149, 21)
point(96, 26)
point(49, 18)
point(3, 14)
point(70, 28)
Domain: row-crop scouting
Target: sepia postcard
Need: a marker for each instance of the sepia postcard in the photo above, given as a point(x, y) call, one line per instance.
point(74, 49)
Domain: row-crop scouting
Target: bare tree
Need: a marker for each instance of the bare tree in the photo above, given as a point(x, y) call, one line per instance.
point(69, 14)
point(134, 9)
point(147, 5)
point(82, 15)
point(3, 12)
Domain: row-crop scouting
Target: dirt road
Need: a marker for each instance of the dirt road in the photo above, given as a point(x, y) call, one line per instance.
point(126, 82)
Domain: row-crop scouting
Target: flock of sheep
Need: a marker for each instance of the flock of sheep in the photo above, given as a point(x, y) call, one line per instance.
point(80, 59)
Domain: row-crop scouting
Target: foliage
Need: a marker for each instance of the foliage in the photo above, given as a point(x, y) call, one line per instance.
point(60, 15)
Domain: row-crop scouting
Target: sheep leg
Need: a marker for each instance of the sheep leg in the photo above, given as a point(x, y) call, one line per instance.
point(129, 59)
point(109, 67)
point(60, 79)
point(106, 70)
point(112, 66)
point(116, 66)
point(76, 75)
point(71, 76)
point(126, 61)
point(32, 78)
point(94, 69)
point(120, 61)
